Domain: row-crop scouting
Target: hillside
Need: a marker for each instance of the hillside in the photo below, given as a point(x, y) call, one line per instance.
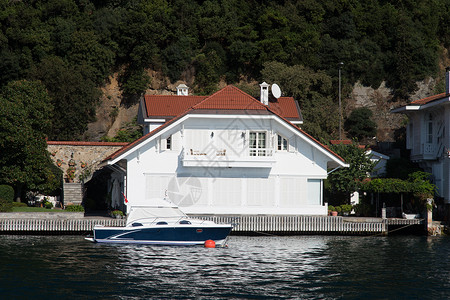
point(96, 58)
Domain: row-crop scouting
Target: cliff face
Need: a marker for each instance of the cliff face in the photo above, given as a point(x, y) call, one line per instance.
point(112, 115)
point(379, 101)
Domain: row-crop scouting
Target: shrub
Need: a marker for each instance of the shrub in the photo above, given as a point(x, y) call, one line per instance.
point(338, 209)
point(48, 205)
point(7, 192)
point(74, 208)
point(346, 208)
point(331, 208)
point(19, 204)
point(5, 206)
point(117, 212)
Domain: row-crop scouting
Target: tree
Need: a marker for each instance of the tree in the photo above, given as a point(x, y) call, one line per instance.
point(346, 180)
point(74, 96)
point(360, 124)
point(25, 120)
point(313, 92)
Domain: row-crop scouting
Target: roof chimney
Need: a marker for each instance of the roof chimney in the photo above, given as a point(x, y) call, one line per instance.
point(264, 93)
point(447, 80)
point(182, 90)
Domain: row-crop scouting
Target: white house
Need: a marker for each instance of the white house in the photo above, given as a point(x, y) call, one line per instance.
point(428, 136)
point(226, 153)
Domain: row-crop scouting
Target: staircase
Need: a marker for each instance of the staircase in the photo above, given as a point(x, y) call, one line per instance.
point(73, 193)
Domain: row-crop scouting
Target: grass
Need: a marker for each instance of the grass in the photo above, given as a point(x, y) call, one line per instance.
point(33, 209)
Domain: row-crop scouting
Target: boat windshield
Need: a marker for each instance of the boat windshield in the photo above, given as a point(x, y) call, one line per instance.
point(139, 213)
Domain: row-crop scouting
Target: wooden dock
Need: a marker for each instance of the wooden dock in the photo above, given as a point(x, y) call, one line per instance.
point(244, 224)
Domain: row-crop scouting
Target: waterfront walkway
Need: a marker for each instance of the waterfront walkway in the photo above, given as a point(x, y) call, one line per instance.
point(77, 223)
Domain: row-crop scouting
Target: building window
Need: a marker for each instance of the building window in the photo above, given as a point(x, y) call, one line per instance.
point(169, 143)
point(282, 143)
point(257, 144)
point(430, 129)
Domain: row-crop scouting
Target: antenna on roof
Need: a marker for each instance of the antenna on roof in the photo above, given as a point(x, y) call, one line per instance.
point(276, 91)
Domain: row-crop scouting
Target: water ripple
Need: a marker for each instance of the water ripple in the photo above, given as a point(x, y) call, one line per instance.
point(300, 267)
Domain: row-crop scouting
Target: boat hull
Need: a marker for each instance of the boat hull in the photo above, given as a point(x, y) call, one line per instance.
point(183, 236)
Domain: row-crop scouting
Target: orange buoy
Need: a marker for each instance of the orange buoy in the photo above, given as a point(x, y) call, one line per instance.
point(210, 244)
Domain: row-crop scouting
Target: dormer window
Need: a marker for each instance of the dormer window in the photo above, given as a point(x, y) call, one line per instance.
point(282, 143)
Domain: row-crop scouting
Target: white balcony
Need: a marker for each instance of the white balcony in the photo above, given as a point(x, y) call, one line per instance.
point(431, 151)
point(223, 158)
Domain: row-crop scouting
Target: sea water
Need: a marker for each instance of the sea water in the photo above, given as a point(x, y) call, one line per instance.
point(267, 267)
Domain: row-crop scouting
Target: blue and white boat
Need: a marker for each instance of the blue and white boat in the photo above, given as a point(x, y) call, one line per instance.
point(162, 224)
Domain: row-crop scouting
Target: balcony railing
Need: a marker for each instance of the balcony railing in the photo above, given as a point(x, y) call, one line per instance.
point(432, 151)
point(257, 158)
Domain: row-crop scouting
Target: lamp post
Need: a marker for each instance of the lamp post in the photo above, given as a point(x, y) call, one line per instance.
point(340, 106)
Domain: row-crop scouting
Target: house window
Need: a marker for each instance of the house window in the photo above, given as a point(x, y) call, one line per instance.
point(169, 143)
point(282, 143)
point(430, 129)
point(257, 144)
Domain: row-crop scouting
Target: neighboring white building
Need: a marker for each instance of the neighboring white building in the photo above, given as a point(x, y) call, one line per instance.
point(380, 161)
point(428, 136)
point(227, 153)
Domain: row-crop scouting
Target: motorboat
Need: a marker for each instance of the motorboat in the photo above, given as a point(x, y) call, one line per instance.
point(162, 223)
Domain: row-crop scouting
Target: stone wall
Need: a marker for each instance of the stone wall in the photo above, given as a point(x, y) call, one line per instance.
point(80, 159)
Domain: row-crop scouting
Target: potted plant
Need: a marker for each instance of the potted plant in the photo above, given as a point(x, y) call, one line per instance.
point(59, 162)
point(332, 210)
point(338, 210)
point(70, 174)
point(118, 214)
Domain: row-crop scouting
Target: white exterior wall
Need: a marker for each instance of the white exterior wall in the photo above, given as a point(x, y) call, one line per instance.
point(288, 182)
point(437, 162)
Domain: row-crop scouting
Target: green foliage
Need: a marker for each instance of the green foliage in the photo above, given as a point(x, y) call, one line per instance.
point(418, 183)
point(346, 180)
point(73, 93)
point(346, 208)
point(312, 90)
point(421, 185)
point(25, 119)
point(73, 46)
point(19, 204)
point(7, 192)
point(360, 124)
point(74, 208)
point(128, 133)
point(133, 82)
point(331, 208)
point(116, 213)
point(5, 206)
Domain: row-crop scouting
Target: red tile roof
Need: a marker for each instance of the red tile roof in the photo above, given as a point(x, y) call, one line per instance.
point(228, 98)
point(231, 98)
point(429, 99)
point(286, 107)
point(169, 106)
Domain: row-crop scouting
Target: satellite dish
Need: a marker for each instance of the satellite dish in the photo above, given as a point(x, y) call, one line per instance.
point(276, 92)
